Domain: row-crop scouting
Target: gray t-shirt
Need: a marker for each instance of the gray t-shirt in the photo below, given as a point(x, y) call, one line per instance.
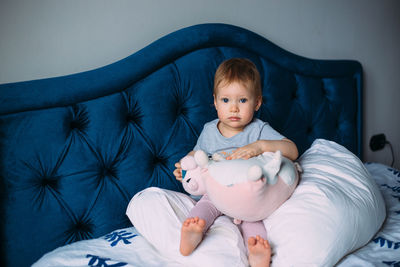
point(212, 141)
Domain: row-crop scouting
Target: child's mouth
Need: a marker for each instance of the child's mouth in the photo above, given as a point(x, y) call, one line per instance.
point(234, 118)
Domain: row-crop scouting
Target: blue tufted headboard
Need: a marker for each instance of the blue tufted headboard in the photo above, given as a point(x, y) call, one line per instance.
point(75, 149)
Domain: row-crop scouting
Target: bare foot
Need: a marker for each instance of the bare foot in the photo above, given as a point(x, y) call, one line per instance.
point(259, 252)
point(191, 235)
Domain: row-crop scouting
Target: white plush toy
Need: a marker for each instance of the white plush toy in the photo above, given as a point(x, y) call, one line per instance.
point(248, 190)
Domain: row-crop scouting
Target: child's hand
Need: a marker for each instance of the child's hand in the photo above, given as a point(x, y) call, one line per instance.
point(178, 171)
point(246, 152)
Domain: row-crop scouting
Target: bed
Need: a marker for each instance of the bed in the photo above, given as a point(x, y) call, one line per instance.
point(77, 151)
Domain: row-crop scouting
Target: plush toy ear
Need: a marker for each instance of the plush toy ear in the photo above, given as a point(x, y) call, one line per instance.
point(188, 163)
point(201, 158)
point(272, 168)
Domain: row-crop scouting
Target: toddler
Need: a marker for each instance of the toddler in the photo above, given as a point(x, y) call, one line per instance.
point(235, 134)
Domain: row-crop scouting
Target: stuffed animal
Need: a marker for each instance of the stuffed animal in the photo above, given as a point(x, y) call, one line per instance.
point(248, 190)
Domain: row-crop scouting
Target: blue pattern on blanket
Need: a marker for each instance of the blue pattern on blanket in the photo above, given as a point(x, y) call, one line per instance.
point(395, 189)
point(383, 242)
point(388, 243)
point(395, 172)
point(392, 263)
point(96, 261)
point(117, 236)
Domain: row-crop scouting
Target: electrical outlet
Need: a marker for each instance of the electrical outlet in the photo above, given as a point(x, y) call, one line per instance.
point(377, 142)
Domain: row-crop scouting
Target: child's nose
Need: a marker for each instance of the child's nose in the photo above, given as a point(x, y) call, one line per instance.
point(234, 107)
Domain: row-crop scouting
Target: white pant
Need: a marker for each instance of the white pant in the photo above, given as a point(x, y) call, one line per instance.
point(158, 215)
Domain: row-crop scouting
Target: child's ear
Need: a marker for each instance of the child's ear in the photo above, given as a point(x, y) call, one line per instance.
point(215, 101)
point(258, 103)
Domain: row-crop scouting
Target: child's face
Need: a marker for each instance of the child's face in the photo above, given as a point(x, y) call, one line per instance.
point(235, 105)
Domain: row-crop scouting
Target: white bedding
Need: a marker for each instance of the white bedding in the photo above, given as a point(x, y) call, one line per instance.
point(223, 245)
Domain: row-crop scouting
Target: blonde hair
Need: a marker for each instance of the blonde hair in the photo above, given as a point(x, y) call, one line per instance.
point(239, 70)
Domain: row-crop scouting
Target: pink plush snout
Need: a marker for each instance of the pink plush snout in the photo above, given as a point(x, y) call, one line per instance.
point(192, 185)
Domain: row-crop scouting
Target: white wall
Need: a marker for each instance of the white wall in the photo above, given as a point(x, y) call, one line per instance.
point(45, 38)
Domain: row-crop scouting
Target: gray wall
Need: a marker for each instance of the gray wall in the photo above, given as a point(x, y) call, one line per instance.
point(45, 38)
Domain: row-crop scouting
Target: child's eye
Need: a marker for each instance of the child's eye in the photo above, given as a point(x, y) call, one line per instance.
point(243, 100)
point(225, 100)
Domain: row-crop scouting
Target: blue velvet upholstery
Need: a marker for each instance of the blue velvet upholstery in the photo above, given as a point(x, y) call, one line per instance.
point(75, 149)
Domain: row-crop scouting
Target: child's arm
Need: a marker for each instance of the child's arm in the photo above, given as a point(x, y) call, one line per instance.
point(286, 146)
point(178, 171)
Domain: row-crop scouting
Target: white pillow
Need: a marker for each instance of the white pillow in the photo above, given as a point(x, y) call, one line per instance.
point(336, 208)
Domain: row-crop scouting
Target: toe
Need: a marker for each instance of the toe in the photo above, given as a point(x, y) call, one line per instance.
point(251, 241)
point(202, 222)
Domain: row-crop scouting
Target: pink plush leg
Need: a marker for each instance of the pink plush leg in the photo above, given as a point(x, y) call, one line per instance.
point(255, 237)
point(205, 210)
point(252, 229)
point(200, 218)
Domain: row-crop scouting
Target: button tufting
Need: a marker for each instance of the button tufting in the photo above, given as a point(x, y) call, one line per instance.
point(82, 227)
point(48, 181)
point(133, 117)
point(107, 172)
point(158, 160)
point(75, 125)
point(80, 118)
point(183, 111)
point(81, 230)
point(178, 110)
point(130, 118)
point(309, 129)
